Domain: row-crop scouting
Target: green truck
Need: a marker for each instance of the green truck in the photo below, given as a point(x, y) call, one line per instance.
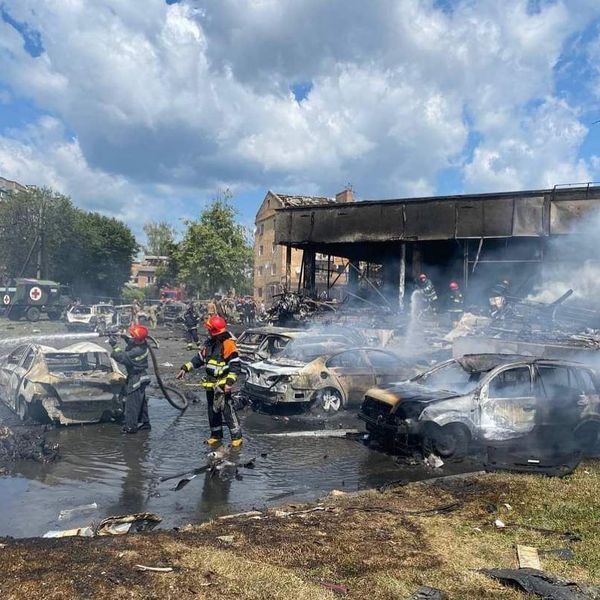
point(31, 298)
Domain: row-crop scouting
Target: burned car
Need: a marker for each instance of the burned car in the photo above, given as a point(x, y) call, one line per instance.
point(262, 343)
point(77, 384)
point(327, 374)
point(486, 399)
point(97, 317)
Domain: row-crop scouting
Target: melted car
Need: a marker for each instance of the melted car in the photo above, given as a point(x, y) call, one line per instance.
point(486, 399)
point(97, 317)
point(77, 384)
point(325, 373)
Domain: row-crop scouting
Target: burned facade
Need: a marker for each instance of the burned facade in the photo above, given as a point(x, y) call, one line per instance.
point(472, 239)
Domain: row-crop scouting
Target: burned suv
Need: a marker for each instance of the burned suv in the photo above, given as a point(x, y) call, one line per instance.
point(486, 399)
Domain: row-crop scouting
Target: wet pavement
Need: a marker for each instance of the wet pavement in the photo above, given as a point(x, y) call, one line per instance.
point(121, 473)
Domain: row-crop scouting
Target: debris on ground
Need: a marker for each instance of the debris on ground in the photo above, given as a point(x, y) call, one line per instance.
point(122, 524)
point(337, 588)
point(25, 443)
point(154, 569)
point(544, 585)
point(499, 523)
point(79, 532)
point(226, 539)
point(428, 593)
point(528, 557)
point(564, 553)
point(434, 462)
point(67, 514)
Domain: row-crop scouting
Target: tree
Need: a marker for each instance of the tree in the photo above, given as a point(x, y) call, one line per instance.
point(105, 249)
point(91, 252)
point(215, 254)
point(160, 238)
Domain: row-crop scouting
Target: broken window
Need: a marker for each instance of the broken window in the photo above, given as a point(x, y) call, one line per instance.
point(510, 408)
point(29, 359)
point(14, 358)
point(382, 360)
point(450, 376)
point(85, 362)
point(348, 360)
point(512, 383)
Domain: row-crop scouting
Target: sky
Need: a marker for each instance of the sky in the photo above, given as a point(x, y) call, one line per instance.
point(146, 109)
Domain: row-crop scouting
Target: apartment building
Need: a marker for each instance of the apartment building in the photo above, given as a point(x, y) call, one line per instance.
point(270, 259)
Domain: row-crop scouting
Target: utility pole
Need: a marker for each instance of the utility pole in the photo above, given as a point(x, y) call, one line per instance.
point(40, 256)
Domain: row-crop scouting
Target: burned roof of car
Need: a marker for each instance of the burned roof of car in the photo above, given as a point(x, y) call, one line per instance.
point(479, 363)
point(78, 348)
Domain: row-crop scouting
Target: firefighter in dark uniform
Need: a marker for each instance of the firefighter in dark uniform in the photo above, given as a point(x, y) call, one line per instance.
point(191, 320)
point(220, 360)
point(135, 360)
point(498, 298)
point(428, 290)
point(456, 303)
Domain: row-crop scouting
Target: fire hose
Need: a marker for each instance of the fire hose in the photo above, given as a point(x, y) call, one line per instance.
point(173, 396)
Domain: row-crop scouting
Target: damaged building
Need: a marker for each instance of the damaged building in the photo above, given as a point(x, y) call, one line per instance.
point(473, 239)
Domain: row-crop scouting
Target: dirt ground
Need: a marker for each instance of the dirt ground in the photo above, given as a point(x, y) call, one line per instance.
point(374, 544)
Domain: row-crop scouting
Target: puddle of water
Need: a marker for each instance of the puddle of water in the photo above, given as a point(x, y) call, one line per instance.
point(121, 472)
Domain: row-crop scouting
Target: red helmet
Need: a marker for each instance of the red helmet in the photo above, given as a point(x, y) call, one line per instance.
point(422, 277)
point(138, 333)
point(453, 285)
point(215, 325)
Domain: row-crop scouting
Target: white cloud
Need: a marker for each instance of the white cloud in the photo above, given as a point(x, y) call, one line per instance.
point(195, 96)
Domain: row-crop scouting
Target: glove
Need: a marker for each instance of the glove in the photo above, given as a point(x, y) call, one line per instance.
point(180, 374)
point(113, 342)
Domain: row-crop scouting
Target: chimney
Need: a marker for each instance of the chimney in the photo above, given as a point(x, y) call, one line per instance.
point(345, 195)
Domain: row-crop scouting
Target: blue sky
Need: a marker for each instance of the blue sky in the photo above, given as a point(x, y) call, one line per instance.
point(147, 109)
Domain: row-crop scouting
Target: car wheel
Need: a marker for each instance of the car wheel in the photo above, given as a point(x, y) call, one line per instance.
point(329, 400)
point(33, 314)
point(450, 442)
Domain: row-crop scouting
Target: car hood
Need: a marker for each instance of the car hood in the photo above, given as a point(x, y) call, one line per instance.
point(407, 391)
point(279, 368)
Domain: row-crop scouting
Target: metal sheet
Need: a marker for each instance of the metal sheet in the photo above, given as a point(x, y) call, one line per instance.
point(430, 220)
point(529, 217)
point(566, 214)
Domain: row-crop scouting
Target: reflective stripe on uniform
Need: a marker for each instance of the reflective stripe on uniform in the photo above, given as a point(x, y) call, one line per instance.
point(141, 356)
point(188, 366)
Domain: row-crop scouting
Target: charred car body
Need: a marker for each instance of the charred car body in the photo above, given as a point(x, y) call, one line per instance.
point(76, 384)
point(97, 317)
point(488, 399)
point(263, 343)
point(328, 374)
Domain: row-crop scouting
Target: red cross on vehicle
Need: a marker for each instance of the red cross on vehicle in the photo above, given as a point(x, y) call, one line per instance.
point(35, 293)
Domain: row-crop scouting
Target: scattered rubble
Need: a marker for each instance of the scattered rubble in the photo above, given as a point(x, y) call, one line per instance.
point(24, 443)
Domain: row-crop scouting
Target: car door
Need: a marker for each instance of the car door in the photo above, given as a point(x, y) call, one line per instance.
point(387, 367)
point(353, 373)
point(11, 374)
point(508, 404)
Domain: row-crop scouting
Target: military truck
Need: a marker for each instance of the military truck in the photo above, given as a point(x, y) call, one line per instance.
point(31, 298)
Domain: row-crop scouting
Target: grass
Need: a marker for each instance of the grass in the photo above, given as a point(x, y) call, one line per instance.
point(372, 544)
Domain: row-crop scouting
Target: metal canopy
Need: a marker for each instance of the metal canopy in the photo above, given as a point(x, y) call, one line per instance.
point(382, 225)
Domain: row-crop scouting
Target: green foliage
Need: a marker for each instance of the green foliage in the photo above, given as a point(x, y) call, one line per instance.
point(215, 254)
point(130, 294)
point(160, 238)
point(91, 252)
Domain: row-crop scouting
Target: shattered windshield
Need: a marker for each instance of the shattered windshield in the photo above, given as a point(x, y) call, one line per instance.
point(81, 310)
point(450, 377)
point(308, 352)
point(61, 362)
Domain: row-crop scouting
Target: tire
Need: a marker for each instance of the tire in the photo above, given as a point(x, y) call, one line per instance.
point(33, 314)
point(329, 400)
point(450, 442)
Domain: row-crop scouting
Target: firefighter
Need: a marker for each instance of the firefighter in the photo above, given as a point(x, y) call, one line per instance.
point(153, 315)
point(456, 303)
point(135, 360)
point(219, 357)
point(428, 290)
point(498, 298)
point(191, 320)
